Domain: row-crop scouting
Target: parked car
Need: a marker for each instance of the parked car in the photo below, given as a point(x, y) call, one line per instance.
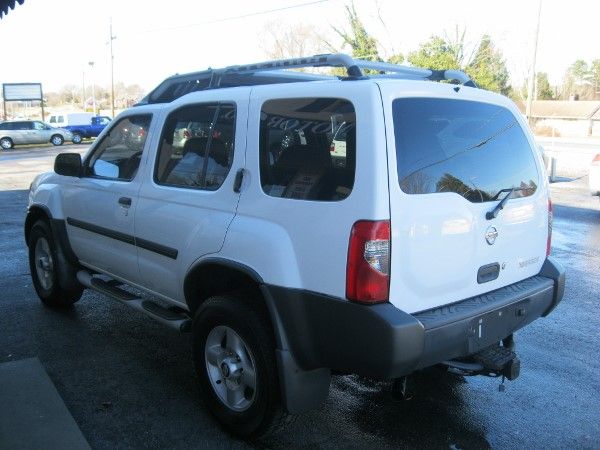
point(31, 132)
point(594, 175)
point(426, 243)
point(90, 129)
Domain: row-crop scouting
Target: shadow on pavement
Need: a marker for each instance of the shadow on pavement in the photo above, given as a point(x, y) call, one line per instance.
point(436, 417)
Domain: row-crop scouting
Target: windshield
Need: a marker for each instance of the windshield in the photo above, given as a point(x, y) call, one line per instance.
point(473, 149)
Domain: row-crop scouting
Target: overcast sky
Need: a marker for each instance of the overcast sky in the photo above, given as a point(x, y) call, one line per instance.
point(52, 41)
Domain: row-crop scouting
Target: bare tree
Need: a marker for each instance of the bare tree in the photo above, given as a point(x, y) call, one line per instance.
point(283, 40)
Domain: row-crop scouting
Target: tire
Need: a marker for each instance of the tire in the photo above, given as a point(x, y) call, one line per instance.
point(6, 143)
point(57, 140)
point(43, 267)
point(234, 358)
point(77, 138)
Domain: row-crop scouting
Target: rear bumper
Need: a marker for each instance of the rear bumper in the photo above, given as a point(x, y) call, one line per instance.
point(384, 342)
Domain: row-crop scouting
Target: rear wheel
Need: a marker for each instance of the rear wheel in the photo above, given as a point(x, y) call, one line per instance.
point(234, 358)
point(77, 138)
point(6, 143)
point(57, 139)
point(43, 266)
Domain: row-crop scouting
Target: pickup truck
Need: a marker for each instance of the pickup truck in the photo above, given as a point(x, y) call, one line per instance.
point(87, 131)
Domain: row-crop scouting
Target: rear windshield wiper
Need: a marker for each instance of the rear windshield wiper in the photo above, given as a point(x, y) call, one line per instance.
point(494, 212)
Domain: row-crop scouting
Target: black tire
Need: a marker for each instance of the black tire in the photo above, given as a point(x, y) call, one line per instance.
point(43, 262)
point(264, 414)
point(6, 143)
point(57, 140)
point(77, 138)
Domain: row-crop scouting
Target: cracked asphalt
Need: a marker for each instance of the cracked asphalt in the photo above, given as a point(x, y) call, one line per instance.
point(128, 381)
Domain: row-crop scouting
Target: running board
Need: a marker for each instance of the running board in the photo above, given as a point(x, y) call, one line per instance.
point(175, 318)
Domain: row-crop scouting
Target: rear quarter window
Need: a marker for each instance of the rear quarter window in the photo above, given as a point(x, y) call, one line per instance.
point(476, 150)
point(308, 148)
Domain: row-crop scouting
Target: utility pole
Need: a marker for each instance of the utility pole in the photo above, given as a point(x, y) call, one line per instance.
point(531, 83)
point(112, 71)
point(83, 90)
point(91, 63)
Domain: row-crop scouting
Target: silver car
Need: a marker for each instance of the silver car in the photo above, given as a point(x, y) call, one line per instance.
point(31, 132)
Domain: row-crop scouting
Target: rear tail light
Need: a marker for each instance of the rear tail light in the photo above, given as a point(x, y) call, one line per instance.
point(596, 160)
point(368, 266)
point(187, 134)
point(332, 148)
point(549, 241)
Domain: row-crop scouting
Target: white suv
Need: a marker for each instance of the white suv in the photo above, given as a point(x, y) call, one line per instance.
point(426, 241)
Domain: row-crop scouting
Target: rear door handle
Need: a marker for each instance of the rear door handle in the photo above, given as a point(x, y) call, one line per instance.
point(125, 201)
point(237, 184)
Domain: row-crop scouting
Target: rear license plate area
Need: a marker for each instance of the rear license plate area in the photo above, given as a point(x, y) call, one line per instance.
point(493, 326)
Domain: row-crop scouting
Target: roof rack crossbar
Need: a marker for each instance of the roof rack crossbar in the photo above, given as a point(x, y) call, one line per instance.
point(353, 67)
point(417, 72)
point(330, 60)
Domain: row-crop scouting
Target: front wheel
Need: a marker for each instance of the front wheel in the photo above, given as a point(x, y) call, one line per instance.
point(234, 358)
point(77, 138)
point(57, 139)
point(44, 271)
point(6, 143)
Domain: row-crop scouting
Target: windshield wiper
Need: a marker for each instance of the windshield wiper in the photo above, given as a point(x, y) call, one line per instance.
point(494, 212)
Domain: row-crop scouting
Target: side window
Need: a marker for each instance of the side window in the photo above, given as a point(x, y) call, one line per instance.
point(118, 154)
point(197, 146)
point(308, 148)
point(38, 126)
point(52, 119)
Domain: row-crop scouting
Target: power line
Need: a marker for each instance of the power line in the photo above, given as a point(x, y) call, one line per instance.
point(242, 16)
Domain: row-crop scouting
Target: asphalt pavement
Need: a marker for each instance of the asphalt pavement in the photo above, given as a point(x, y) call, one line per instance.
point(128, 382)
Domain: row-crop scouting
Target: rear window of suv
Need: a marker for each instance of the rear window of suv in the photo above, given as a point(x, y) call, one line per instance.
point(476, 150)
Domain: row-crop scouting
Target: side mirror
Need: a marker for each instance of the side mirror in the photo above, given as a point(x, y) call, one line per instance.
point(68, 164)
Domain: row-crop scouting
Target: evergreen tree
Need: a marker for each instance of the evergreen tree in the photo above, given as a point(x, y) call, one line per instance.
point(488, 68)
point(364, 46)
point(544, 91)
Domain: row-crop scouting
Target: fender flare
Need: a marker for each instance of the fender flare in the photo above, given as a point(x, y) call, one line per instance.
point(301, 390)
point(68, 263)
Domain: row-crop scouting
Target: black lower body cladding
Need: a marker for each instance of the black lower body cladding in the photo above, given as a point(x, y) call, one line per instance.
point(325, 331)
point(382, 341)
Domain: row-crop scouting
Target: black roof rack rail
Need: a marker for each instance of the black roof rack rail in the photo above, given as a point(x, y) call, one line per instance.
point(271, 72)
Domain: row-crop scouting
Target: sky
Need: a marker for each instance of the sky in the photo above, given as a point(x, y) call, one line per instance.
point(53, 41)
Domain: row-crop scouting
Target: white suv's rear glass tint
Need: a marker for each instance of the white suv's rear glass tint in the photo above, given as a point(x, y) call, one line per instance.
point(476, 150)
point(308, 148)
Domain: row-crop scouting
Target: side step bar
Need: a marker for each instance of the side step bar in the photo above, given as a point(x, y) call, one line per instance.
point(174, 318)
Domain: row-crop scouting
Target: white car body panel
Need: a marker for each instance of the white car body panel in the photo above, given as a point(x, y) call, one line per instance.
point(438, 240)
point(96, 201)
point(192, 221)
point(304, 244)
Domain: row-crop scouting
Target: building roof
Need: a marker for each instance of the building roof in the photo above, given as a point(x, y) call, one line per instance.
point(6, 5)
point(563, 109)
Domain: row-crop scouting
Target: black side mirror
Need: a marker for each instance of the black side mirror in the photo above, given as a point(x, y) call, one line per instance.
point(68, 164)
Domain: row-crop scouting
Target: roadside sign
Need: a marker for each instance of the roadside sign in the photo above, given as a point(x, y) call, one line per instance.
point(20, 92)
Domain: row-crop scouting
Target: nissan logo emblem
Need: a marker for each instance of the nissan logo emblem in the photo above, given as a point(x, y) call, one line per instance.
point(490, 235)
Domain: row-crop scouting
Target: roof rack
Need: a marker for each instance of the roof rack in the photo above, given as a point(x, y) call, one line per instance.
point(271, 72)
